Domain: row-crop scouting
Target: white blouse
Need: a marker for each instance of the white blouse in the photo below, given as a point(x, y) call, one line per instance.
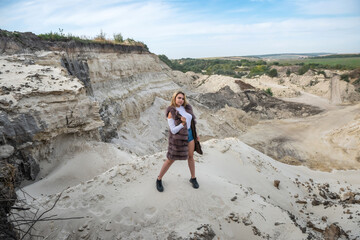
point(185, 114)
point(175, 129)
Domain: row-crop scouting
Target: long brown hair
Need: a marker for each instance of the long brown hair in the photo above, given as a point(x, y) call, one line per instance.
point(173, 98)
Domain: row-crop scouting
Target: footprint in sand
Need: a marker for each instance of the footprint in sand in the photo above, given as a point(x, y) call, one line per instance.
point(218, 200)
point(75, 204)
point(126, 219)
point(117, 218)
point(97, 211)
point(64, 202)
point(97, 198)
point(84, 204)
point(123, 215)
point(150, 211)
point(216, 207)
point(66, 205)
point(150, 216)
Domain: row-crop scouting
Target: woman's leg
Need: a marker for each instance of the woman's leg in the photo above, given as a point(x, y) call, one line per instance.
point(165, 167)
point(191, 160)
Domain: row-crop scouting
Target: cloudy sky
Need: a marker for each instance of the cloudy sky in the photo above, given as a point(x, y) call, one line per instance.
point(193, 28)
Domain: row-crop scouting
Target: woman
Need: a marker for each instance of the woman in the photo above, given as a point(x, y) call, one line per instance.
point(181, 139)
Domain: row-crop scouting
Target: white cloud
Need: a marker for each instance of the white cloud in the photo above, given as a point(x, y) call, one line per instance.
point(165, 28)
point(328, 7)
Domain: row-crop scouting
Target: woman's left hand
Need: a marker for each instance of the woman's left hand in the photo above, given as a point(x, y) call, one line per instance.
point(198, 139)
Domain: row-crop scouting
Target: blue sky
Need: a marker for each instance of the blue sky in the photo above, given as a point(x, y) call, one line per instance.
point(211, 28)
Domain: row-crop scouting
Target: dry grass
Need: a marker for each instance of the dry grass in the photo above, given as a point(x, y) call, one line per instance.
point(9, 173)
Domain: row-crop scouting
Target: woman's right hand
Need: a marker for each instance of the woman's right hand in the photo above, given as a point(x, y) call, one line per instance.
point(183, 120)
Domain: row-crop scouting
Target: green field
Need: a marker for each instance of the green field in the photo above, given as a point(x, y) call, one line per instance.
point(350, 62)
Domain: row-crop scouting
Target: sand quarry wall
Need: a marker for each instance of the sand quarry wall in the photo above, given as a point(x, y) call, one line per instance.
point(53, 92)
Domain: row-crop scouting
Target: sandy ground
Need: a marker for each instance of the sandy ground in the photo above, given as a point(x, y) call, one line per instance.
point(312, 99)
point(236, 198)
point(326, 141)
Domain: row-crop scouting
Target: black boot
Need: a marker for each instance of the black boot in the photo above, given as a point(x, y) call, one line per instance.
point(159, 185)
point(194, 183)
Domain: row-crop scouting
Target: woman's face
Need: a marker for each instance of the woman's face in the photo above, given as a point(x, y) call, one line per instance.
point(179, 100)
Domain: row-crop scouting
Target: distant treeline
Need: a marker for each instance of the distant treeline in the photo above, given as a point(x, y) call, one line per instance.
point(233, 68)
point(244, 67)
point(338, 56)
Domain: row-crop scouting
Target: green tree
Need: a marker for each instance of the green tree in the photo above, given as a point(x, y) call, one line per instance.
point(118, 38)
point(166, 60)
point(288, 72)
point(303, 69)
point(273, 73)
point(345, 77)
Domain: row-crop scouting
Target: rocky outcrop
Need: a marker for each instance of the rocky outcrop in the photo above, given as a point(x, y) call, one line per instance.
point(322, 83)
point(256, 103)
point(79, 68)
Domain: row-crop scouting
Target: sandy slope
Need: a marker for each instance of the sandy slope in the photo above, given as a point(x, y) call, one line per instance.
point(326, 141)
point(236, 198)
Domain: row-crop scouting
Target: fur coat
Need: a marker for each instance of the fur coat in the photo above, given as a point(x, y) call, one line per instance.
point(178, 144)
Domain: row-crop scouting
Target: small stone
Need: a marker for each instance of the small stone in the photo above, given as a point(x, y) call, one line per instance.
point(348, 212)
point(322, 194)
point(332, 232)
point(315, 202)
point(6, 151)
point(246, 221)
point(346, 196)
point(276, 183)
point(108, 226)
point(256, 231)
point(234, 198)
point(333, 195)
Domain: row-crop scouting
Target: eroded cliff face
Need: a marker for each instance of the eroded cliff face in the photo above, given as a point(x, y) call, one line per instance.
point(123, 84)
point(52, 89)
point(47, 96)
point(39, 103)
